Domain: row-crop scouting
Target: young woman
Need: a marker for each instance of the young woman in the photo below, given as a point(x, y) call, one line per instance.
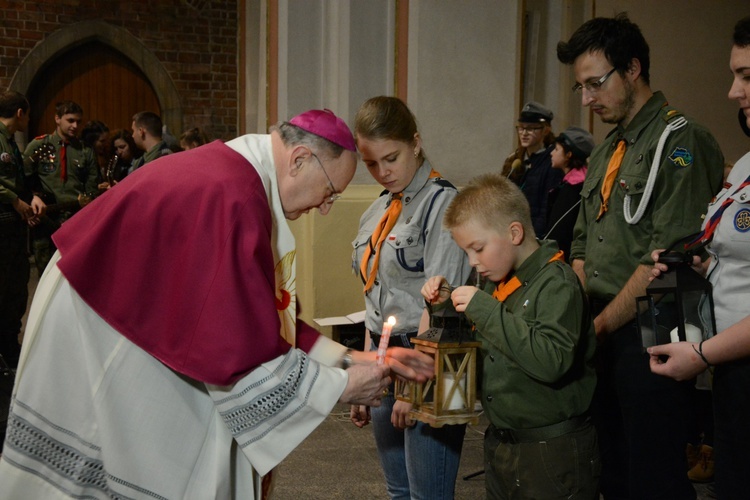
point(572, 149)
point(399, 244)
point(728, 233)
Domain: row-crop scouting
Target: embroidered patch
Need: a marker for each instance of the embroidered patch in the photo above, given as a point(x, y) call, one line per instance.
point(742, 220)
point(681, 157)
point(5, 158)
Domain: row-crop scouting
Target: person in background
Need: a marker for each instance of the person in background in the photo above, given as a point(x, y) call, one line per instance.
point(147, 134)
point(726, 229)
point(399, 243)
point(572, 149)
point(19, 209)
point(204, 394)
point(625, 214)
point(127, 153)
point(95, 135)
point(192, 138)
point(538, 346)
point(64, 171)
point(529, 165)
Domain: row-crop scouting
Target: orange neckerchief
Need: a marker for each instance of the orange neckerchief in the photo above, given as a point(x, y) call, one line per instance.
point(505, 289)
point(609, 178)
point(382, 230)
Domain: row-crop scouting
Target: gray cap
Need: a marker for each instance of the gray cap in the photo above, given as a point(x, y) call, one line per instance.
point(577, 141)
point(533, 112)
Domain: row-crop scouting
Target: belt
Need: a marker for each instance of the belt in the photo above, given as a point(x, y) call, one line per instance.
point(513, 436)
point(396, 340)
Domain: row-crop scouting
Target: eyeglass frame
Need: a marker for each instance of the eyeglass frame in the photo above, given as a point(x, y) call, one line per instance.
point(529, 130)
point(335, 194)
point(595, 86)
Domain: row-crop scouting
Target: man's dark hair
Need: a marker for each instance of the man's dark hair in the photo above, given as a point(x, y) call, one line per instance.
point(618, 38)
point(67, 108)
point(741, 37)
point(10, 102)
point(150, 121)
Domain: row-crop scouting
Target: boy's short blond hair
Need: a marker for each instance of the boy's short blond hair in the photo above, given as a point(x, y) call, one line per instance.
point(491, 200)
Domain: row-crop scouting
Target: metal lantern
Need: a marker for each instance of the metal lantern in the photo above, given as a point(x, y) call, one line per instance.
point(678, 305)
point(449, 397)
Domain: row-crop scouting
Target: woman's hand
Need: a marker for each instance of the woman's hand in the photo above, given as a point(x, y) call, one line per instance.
point(683, 362)
point(400, 416)
point(359, 415)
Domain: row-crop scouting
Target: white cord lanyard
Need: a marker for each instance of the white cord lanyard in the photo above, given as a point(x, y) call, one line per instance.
point(634, 219)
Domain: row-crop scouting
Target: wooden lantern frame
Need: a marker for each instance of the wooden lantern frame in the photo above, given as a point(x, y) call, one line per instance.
point(432, 399)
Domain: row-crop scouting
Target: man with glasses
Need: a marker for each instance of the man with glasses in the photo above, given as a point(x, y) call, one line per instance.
point(530, 165)
point(642, 420)
point(183, 371)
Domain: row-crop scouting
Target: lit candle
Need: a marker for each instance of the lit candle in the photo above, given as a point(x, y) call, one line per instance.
point(385, 336)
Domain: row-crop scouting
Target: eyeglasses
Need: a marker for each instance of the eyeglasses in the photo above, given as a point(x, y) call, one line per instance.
point(594, 86)
point(335, 195)
point(529, 130)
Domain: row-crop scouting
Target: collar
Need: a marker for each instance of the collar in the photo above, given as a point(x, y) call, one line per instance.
point(647, 114)
point(421, 177)
point(536, 261)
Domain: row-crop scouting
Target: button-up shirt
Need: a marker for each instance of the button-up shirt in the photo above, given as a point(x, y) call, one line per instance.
point(690, 173)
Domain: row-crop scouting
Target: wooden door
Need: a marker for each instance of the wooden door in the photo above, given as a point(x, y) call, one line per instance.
point(109, 87)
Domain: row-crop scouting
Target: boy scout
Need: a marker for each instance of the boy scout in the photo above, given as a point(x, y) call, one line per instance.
point(625, 214)
point(64, 171)
point(537, 344)
point(18, 209)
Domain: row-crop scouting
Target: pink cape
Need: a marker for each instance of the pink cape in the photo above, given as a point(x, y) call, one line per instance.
point(178, 259)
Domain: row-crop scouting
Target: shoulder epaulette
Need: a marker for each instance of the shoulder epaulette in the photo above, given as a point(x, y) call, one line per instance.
point(40, 137)
point(671, 114)
point(443, 182)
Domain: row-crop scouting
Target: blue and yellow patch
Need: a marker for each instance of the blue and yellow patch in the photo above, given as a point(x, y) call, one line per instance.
point(681, 157)
point(742, 220)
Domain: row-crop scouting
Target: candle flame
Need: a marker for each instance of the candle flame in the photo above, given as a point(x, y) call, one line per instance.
point(391, 320)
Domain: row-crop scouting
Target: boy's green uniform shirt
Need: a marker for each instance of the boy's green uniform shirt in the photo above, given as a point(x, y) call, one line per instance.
point(537, 346)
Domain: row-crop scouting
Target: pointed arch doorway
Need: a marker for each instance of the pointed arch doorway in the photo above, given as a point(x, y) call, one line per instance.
point(104, 68)
point(108, 86)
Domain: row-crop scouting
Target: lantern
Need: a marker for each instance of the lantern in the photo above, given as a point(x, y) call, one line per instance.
point(449, 397)
point(678, 305)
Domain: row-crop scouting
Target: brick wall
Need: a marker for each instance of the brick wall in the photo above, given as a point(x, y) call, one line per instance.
point(195, 40)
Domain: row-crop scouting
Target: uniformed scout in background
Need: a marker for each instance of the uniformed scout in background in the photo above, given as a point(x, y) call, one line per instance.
point(64, 171)
point(147, 134)
point(19, 209)
point(641, 418)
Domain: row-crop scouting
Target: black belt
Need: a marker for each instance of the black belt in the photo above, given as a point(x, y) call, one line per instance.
point(396, 340)
point(513, 436)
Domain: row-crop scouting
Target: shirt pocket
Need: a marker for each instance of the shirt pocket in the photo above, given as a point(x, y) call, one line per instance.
point(406, 243)
point(358, 246)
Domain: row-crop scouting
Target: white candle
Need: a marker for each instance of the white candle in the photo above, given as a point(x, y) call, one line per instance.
point(692, 334)
point(385, 336)
point(457, 400)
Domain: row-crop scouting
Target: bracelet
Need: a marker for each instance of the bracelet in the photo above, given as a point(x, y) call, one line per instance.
point(699, 352)
point(346, 361)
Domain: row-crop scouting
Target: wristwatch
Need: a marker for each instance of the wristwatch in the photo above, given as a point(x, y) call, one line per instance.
point(347, 361)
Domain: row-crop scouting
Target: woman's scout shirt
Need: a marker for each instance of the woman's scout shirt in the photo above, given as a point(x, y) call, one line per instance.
point(417, 248)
